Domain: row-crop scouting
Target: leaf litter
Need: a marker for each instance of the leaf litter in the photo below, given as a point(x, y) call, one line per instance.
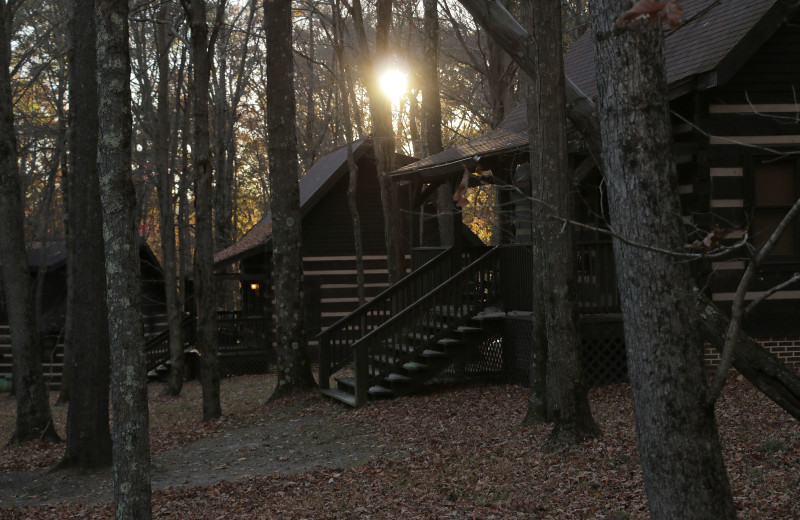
point(455, 452)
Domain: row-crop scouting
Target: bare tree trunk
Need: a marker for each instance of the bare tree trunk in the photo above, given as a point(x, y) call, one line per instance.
point(554, 264)
point(432, 117)
point(512, 37)
point(88, 435)
point(166, 211)
point(131, 451)
point(766, 372)
point(681, 456)
point(205, 297)
point(34, 420)
point(382, 132)
point(294, 366)
point(352, 167)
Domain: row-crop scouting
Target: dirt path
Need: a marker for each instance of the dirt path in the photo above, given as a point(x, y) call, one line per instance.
point(280, 443)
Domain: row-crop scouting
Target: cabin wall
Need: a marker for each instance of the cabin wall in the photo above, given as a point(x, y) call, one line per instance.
point(329, 264)
point(741, 183)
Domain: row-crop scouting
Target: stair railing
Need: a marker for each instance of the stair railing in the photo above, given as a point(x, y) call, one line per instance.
point(422, 323)
point(156, 350)
point(336, 341)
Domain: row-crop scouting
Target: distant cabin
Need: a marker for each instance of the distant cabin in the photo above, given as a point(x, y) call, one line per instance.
point(328, 244)
point(51, 256)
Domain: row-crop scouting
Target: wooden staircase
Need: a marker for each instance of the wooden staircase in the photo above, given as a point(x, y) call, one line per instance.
point(438, 316)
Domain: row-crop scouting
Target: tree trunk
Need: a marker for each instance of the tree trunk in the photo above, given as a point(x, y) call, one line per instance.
point(166, 211)
point(34, 420)
point(566, 400)
point(352, 167)
point(204, 290)
point(512, 37)
point(765, 371)
point(294, 366)
point(681, 457)
point(88, 435)
point(432, 118)
point(131, 451)
point(382, 131)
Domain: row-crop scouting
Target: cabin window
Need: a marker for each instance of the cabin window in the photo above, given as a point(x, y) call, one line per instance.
point(775, 189)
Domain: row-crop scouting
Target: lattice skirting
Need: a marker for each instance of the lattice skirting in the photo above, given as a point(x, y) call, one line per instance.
point(506, 356)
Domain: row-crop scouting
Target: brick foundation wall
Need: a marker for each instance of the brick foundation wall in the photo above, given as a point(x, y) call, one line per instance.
point(787, 350)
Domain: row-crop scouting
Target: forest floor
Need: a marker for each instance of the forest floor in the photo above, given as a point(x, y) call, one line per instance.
point(453, 452)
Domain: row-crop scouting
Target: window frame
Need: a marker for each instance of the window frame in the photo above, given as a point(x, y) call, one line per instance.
point(752, 160)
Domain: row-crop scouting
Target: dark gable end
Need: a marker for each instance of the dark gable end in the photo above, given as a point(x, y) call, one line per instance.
point(315, 185)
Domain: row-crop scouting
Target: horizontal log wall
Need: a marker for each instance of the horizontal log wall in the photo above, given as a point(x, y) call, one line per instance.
point(735, 126)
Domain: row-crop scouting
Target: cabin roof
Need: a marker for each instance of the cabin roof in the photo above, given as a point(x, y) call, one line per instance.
point(715, 40)
point(510, 135)
point(55, 254)
point(314, 185)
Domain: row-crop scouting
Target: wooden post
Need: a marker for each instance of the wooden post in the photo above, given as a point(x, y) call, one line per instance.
point(324, 363)
point(362, 374)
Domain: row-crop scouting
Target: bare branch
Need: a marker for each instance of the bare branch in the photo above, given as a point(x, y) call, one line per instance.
point(795, 277)
point(737, 311)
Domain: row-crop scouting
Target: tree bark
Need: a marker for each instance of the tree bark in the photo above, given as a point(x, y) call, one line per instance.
point(382, 131)
point(681, 457)
point(294, 366)
point(88, 434)
point(166, 210)
point(765, 371)
point(131, 446)
point(432, 118)
point(352, 167)
point(551, 187)
point(34, 420)
point(512, 37)
point(204, 290)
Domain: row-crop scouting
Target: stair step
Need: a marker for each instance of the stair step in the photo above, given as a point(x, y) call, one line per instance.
point(397, 378)
point(450, 342)
point(380, 391)
point(349, 382)
point(433, 354)
point(465, 329)
point(413, 366)
point(339, 395)
point(489, 316)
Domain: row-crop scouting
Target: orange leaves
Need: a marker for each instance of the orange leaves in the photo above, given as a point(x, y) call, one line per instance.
point(460, 197)
point(670, 12)
point(710, 242)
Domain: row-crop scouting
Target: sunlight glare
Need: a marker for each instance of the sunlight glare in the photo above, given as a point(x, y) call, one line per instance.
point(393, 84)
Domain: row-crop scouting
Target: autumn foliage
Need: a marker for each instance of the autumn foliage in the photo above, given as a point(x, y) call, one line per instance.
point(669, 12)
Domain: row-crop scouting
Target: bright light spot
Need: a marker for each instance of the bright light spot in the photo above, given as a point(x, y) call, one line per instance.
point(393, 84)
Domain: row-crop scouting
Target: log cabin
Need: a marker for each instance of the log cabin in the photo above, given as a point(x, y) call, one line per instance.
point(733, 78)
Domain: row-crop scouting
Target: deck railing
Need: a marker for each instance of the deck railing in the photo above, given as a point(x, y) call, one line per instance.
point(596, 278)
point(336, 341)
point(156, 350)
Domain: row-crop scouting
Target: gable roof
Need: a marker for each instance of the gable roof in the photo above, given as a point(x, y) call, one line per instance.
point(314, 185)
point(715, 40)
point(55, 254)
point(510, 135)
